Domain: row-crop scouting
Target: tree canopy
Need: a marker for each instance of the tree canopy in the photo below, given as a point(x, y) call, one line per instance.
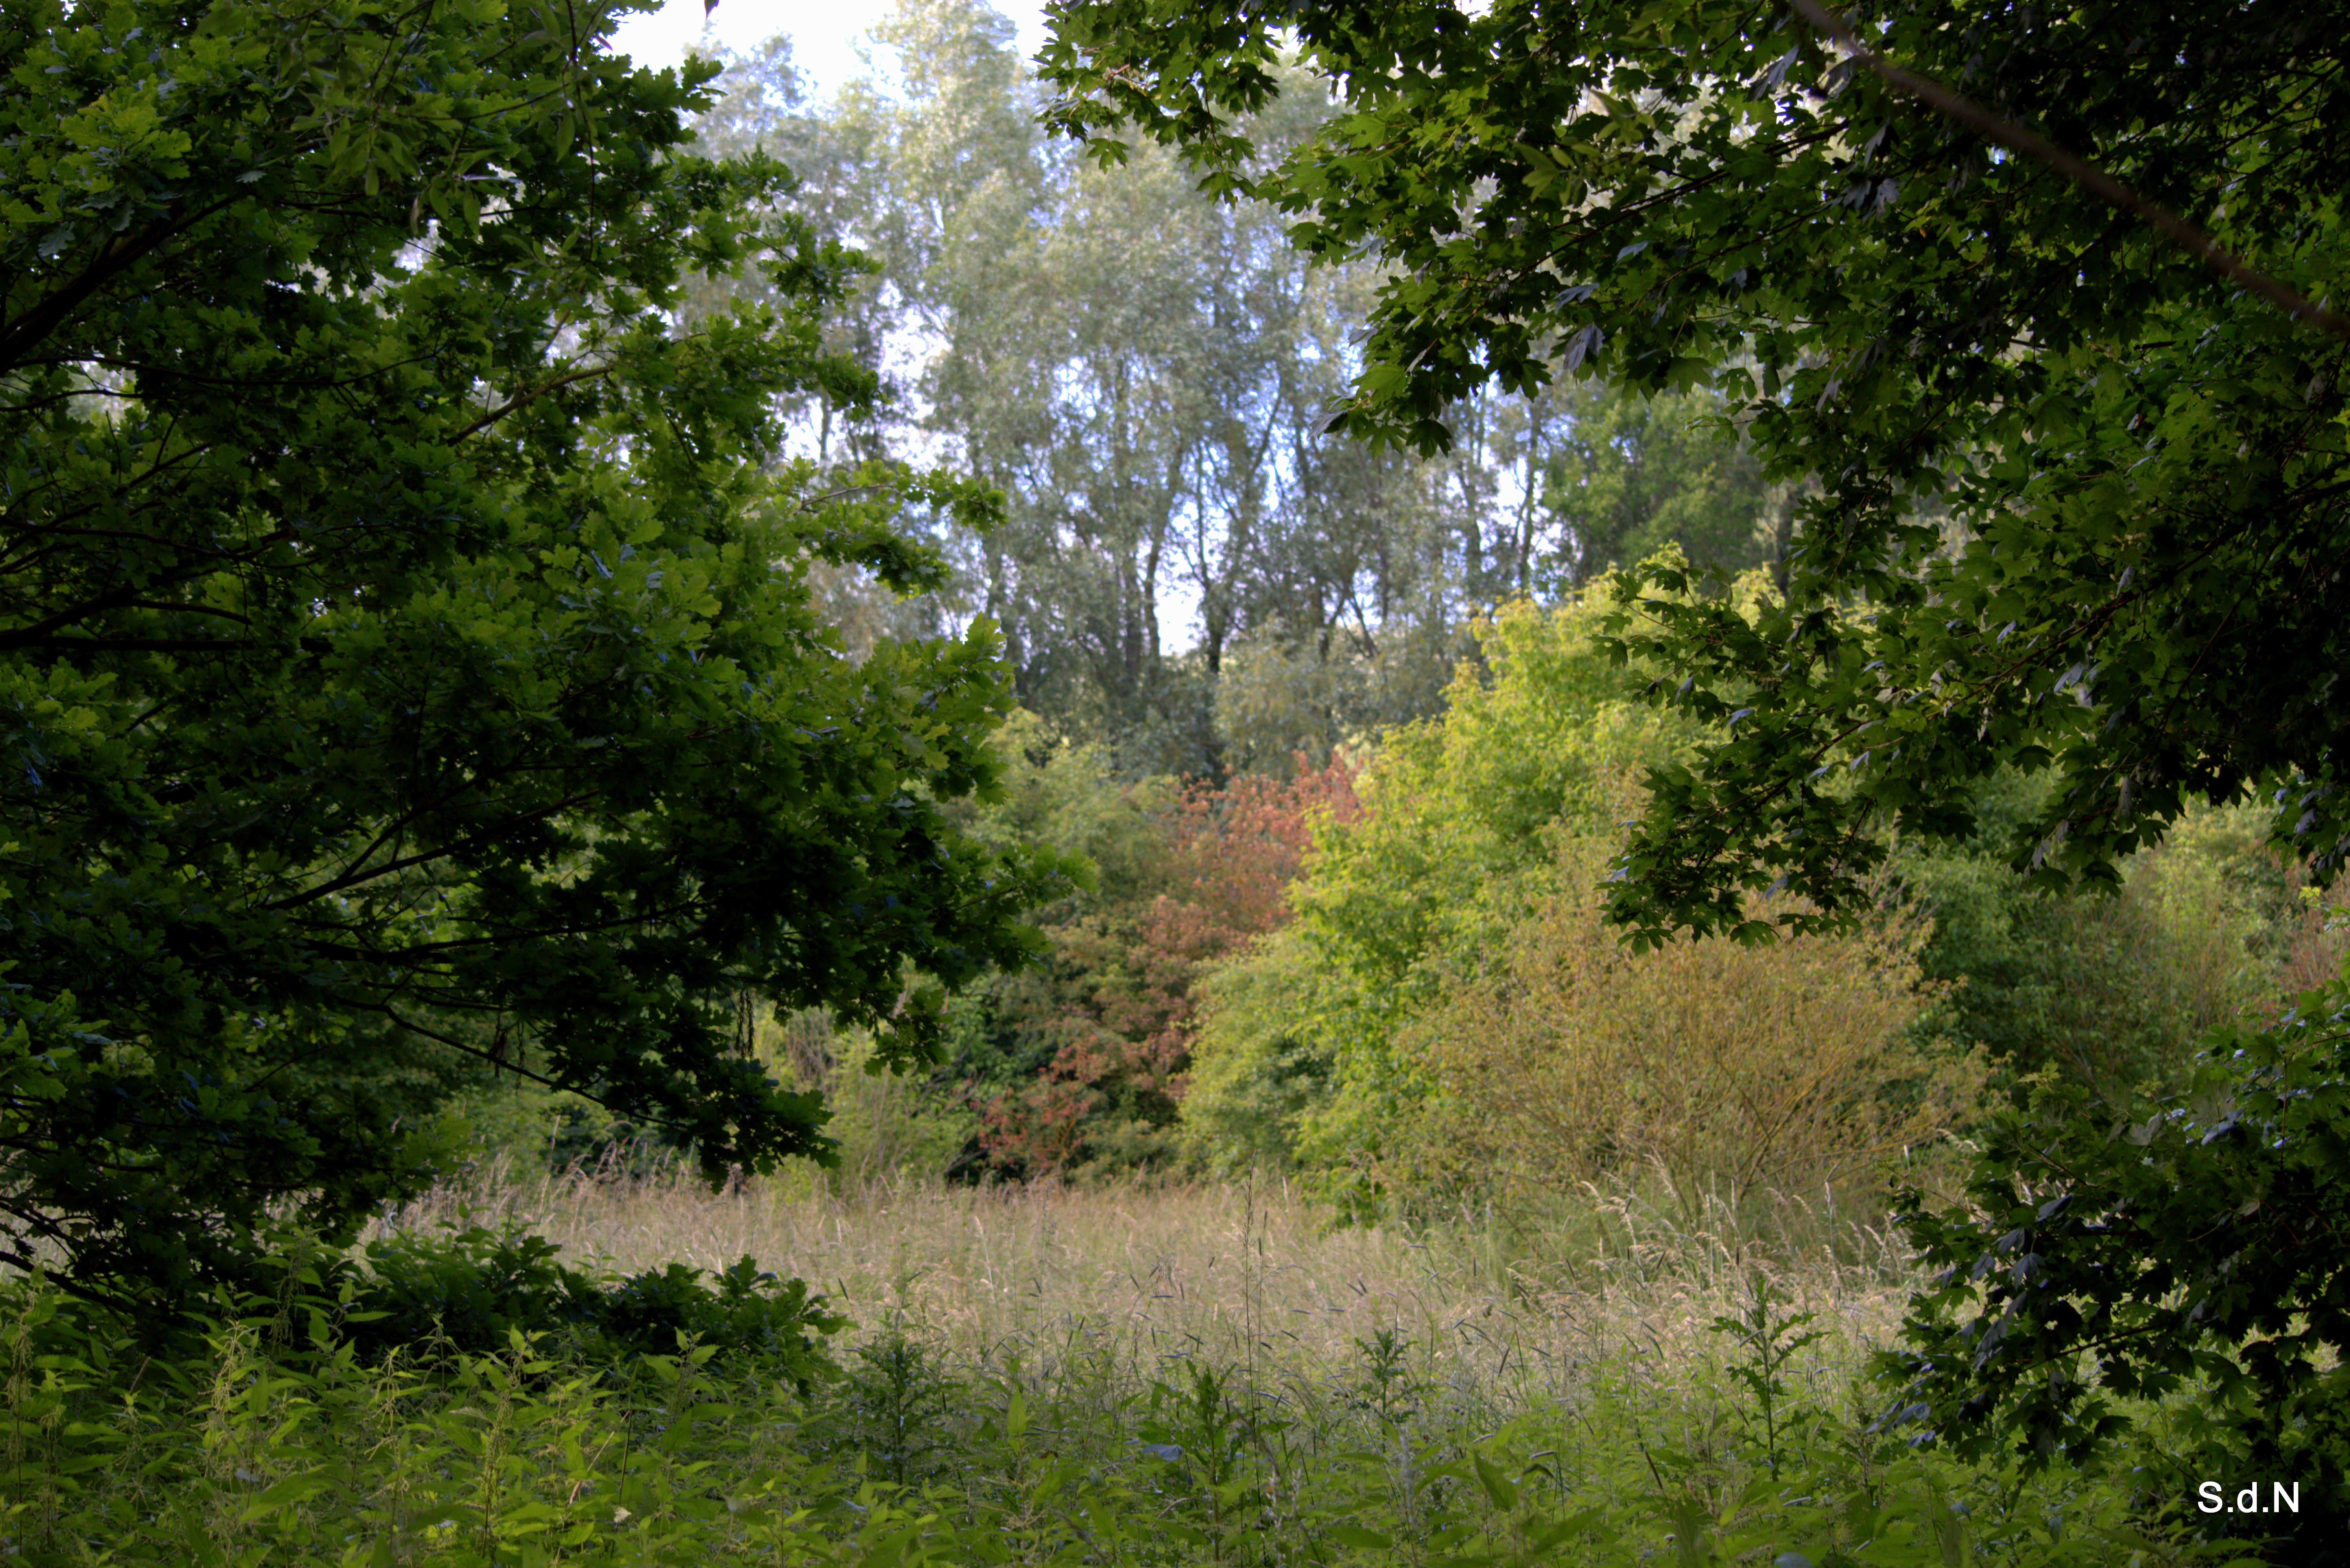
point(406, 665)
point(1191, 569)
point(2078, 495)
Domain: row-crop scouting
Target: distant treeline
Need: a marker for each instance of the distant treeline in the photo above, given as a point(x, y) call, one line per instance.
point(1191, 574)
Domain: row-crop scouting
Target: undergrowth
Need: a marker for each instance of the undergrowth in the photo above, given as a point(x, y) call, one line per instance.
point(284, 1434)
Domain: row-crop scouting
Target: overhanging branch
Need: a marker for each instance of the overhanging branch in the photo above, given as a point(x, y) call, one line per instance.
point(1963, 110)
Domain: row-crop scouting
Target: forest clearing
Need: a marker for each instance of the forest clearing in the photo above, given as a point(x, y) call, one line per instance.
point(1470, 781)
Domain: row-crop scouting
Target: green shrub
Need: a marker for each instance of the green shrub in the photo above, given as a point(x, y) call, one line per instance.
point(2112, 991)
point(467, 1292)
point(2190, 1254)
point(1260, 1064)
point(884, 1125)
point(894, 1410)
point(1782, 1067)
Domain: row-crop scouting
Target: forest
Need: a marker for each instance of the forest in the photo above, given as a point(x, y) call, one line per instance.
point(1309, 785)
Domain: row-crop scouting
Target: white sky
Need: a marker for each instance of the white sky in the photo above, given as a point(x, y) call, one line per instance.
point(825, 34)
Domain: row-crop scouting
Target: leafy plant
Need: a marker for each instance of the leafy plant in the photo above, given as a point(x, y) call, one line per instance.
point(1455, 840)
point(1390, 1391)
point(894, 1409)
point(271, 1439)
point(1739, 1069)
point(1206, 1436)
point(2181, 1251)
point(466, 1293)
point(2112, 993)
point(1770, 1341)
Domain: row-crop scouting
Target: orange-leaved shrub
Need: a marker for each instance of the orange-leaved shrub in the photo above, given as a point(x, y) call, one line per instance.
point(1115, 995)
point(1728, 1070)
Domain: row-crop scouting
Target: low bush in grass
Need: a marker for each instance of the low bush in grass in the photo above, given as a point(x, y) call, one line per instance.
point(467, 1290)
point(1789, 1066)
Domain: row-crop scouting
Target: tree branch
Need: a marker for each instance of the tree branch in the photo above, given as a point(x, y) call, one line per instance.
point(122, 251)
point(363, 872)
point(1965, 112)
point(519, 399)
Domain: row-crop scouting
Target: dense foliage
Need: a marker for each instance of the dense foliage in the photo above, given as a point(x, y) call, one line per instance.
point(2079, 498)
point(406, 666)
point(434, 1298)
point(2108, 1260)
point(1726, 1073)
point(464, 627)
point(2113, 995)
point(1083, 1060)
point(1448, 1019)
point(1459, 839)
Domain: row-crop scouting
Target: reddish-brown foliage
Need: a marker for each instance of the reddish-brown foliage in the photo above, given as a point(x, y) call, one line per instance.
point(1120, 1002)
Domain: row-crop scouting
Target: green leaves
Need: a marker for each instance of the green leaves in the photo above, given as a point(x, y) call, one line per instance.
point(406, 668)
point(1338, 1533)
point(2111, 1259)
point(2069, 497)
point(1498, 1488)
point(263, 1442)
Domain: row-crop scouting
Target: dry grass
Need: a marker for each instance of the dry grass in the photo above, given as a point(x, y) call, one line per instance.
point(1120, 1284)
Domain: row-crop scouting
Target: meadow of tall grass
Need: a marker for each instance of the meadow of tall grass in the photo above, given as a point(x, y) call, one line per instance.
point(1247, 1275)
point(1180, 1374)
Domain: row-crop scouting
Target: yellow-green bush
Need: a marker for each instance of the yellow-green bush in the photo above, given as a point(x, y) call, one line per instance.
point(884, 1124)
point(2111, 993)
point(1301, 1050)
point(1785, 1066)
point(1260, 1064)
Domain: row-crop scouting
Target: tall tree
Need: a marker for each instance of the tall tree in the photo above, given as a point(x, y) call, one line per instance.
point(405, 652)
point(1142, 370)
point(1147, 373)
point(1627, 476)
